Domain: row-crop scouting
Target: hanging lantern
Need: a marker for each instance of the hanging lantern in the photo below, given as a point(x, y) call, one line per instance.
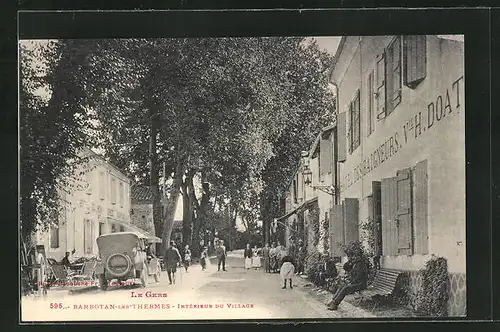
point(307, 176)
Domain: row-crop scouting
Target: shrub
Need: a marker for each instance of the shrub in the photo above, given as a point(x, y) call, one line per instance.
point(432, 298)
point(314, 263)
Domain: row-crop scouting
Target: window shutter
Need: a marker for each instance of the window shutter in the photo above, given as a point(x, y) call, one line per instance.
point(341, 137)
point(415, 56)
point(421, 205)
point(336, 230)
point(300, 185)
point(349, 128)
point(370, 105)
point(102, 185)
point(87, 236)
point(377, 217)
point(388, 194)
point(380, 87)
point(356, 128)
point(325, 150)
point(351, 227)
point(393, 74)
point(404, 216)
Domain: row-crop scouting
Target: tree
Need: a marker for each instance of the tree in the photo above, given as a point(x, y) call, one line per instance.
point(54, 126)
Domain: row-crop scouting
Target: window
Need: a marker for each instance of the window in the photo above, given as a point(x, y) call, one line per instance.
point(415, 60)
point(113, 190)
point(121, 194)
point(295, 190)
point(326, 154)
point(88, 180)
point(370, 116)
point(54, 234)
point(393, 75)
point(88, 239)
point(102, 185)
point(101, 228)
point(354, 119)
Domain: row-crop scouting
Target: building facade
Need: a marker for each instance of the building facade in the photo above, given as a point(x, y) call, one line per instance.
point(98, 202)
point(401, 149)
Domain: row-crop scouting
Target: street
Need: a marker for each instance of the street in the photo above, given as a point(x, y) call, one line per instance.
point(197, 295)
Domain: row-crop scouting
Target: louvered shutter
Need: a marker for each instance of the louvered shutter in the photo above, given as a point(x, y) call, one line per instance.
point(389, 210)
point(421, 205)
point(404, 217)
point(415, 56)
point(349, 127)
point(377, 217)
point(342, 136)
point(351, 206)
point(300, 186)
point(326, 155)
point(393, 75)
point(336, 230)
point(380, 87)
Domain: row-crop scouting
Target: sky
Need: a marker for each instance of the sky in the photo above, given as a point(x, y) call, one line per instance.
point(328, 44)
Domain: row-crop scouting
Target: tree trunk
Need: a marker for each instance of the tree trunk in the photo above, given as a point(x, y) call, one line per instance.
point(187, 211)
point(200, 221)
point(170, 205)
point(153, 173)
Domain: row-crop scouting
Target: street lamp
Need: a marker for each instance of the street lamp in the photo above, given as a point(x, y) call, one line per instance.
point(307, 175)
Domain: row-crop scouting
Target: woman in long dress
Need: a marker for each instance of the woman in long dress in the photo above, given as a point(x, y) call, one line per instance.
point(265, 255)
point(248, 257)
point(273, 258)
point(256, 258)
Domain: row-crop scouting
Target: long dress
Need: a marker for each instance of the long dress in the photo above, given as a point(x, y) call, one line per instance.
point(273, 256)
point(248, 258)
point(287, 271)
point(256, 260)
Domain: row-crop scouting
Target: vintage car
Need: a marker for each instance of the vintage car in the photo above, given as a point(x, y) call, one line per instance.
point(123, 256)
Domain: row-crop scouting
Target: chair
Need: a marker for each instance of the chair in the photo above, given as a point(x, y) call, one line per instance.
point(58, 272)
point(87, 271)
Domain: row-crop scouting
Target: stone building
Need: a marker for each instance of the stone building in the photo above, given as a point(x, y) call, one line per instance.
point(98, 202)
point(401, 151)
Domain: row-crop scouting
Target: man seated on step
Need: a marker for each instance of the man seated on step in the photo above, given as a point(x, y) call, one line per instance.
point(357, 277)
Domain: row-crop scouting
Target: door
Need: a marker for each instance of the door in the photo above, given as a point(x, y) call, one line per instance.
point(336, 230)
point(397, 214)
point(377, 217)
point(404, 215)
point(351, 228)
point(87, 236)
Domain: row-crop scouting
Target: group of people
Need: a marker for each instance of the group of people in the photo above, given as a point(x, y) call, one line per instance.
point(252, 257)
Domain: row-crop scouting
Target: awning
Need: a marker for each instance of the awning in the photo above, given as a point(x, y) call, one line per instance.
point(298, 208)
point(131, 228)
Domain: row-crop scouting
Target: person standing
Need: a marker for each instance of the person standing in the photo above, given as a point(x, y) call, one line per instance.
point(203, 259)
point(273, 258)
point(301, 256)
point(287, 271)
point(221, 256)
point(265, 254)
point(256, 258)
point(187, 257)
point(247, 254)
point(172, 259)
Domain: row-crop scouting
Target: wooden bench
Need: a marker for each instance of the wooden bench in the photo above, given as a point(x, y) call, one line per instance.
point(383, 284)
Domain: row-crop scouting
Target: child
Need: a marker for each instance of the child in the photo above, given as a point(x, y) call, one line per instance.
point(203, 259)
point(187, 257)
point(287, 270)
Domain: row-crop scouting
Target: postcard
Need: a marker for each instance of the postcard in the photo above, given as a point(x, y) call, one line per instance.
point(215, 178)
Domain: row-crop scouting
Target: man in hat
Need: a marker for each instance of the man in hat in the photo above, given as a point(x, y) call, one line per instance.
point(172, 259)
point(301, 256)
point(221, 253)
point(357, 270)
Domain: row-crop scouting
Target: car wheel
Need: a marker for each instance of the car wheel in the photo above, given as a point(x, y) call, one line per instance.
point(144, 276)
point(103, 283)
point(158, 274)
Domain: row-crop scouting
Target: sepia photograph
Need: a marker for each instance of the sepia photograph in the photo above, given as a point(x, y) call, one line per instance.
point(248, 178)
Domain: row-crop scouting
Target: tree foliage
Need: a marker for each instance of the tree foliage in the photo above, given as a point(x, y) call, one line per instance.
point(235, 112)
